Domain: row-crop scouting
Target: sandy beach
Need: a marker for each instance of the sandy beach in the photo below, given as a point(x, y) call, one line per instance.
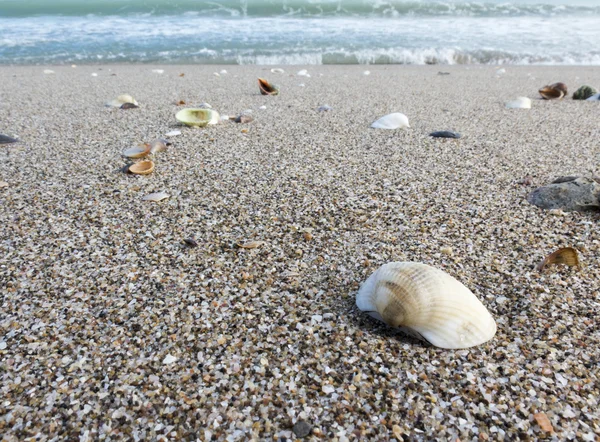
point(113, 329)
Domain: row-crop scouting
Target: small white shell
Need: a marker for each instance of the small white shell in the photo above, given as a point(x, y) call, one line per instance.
point(197, 116)
point(158, 196)
point(48, 71)
point(137, 151)
point(277, 71)
point(303, 73)
point(594, 98)
point(392, 121)
point(519, 103)
point(121, 100)
point(431, 304)
point(173, 133)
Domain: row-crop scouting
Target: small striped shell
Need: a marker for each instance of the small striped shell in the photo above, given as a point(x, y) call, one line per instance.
point(431, 304)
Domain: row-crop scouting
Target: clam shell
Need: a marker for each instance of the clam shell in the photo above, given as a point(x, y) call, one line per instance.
point(554, 91)
point(519, 103)
point(137, 151)
point(157, 196)
point(121, 100)
point(142, 168)
point(267, 88)
point(197, 117)
point(391, 121)
point(428, 303)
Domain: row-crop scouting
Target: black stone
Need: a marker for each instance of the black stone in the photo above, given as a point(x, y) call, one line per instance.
point(5, 139)
point(445, 134)
point(579, 194)
point(302, 429)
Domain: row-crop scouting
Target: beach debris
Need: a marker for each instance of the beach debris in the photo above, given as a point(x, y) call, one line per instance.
point(48, 71)
point(568, 194)
point(367, 73)
point(3, 184)
point(173, 133)
point(158, 71)
point(426, 303)
point(182, 75)
point(519, 103)
point(594, 98)
point(555, 91)
point(128, 106)
point(157, 196)
point(159, 145)
point(204, 106)
point(197, 117)
point(527, 180)
point(250, 244)
point(445, 134)
point(121, 100)
point(277, 71)
point(263, 107)
point(267, 88)
point(324, 108)
point(243, 118)
point(180, 103)
point(137, 151)
point(142, 168)
point(302, 429)
point(584, 92)
point(566, 255)
point(190, 242)
point(5, 139)
point(303, 73)
point(391, 121)
point(543, 422)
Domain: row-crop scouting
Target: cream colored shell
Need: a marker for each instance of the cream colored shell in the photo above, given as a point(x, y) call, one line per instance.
point(197, 117)
point(428, 302)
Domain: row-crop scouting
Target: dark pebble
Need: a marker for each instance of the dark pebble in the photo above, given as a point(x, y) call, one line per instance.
point(5, 139)
point(444, 134)
point(302, 429)
point(190, 242)
point(129, 106)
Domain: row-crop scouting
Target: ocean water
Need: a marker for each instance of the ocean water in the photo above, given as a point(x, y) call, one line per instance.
point(300, 32)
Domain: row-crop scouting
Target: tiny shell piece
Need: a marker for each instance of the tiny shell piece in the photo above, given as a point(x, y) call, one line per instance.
point(158, 196)
point(159, 145)
point(197, 117)
point(250, 244)
point(544, 423)
point(142, 168)
point(128, 106)
point(277, 71)
point(391, 121)
point(566, 255)
point(519, 103)
point(173, 133)
point(3, 184)
point(121, 100)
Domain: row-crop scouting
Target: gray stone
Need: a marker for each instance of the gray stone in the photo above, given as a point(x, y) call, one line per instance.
point(302, 429)
point(568, 194)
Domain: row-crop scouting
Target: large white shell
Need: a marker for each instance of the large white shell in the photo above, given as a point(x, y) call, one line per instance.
point(391, 121)
point(121, 100)
point(197, 116)
point(519, 103)
point(428, 302)
point(594, 98)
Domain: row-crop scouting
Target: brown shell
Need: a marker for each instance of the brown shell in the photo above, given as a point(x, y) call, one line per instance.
point(142, 168)
point(566, 255)
point(267, 88)
point(554, 91)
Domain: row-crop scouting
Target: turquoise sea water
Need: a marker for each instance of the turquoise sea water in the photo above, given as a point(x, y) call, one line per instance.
point(299, 32)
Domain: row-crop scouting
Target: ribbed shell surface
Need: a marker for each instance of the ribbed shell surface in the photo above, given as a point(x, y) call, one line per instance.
point(428, 301)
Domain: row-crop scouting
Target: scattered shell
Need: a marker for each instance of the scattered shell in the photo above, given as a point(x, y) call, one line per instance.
point(169, 359)
point(584, 92)
point(367, 73)
point(277, 71)
point(431, 304)
point(48, 71)
point(173, 133)
point(94, 74)
point(445, 134)
point(159, 145)
point(566, 255)
point(527, 180)
point(137, 151)
point(223, 71)
point(180, 103)
point(262, 107)
point(391, 121)
point(267, 88)
point(204, 106)
point(190, 242)
point(250, 244)
point(197, 116)
point(594, 98)
point(158, 71)
point(142, 168)
point(303, 73)
point(182, 75)
point(5, 139)
point(243, 118)
point(324, 108)
point(554, 91)
point(543, 422)
point(519, 103)
point(158, 196)
point(216, 74)
point(3, 184)
point(128, 106)
point(121, 100)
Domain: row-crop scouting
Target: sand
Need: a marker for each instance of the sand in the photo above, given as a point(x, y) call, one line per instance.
point(112, 328)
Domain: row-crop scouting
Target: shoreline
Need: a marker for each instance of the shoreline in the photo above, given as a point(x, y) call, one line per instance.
point(100, 288)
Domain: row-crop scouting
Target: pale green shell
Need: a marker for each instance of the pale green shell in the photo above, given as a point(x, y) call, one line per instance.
point(198, 117)
point(584, 92)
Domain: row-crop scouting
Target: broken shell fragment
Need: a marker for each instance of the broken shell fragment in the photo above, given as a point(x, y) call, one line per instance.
point(267, 88)
point(142, 168)
point(554, 91)
point(243, 118)
point(250, 244)
point(584, 92)
point(519, 103)
point(121, 100)
point(137, 151)
point(5, 139)
point(159, 145)
point(157, 196)
point(566, 255)
point(197, 117)
point(324, 108)
point(594, 98)
point(128, 106)
point(391, 121)
point(427, 303)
